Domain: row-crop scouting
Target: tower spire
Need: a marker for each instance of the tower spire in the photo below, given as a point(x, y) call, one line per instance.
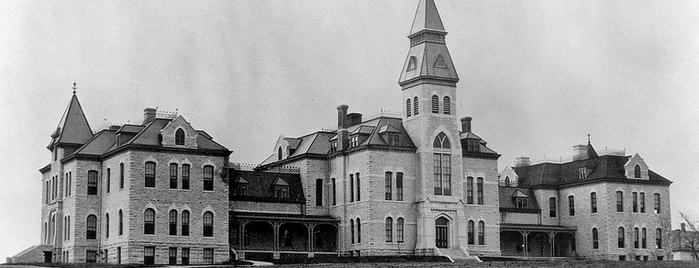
point(426, 18)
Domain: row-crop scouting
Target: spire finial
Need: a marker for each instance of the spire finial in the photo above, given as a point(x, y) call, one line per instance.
point(75, 86)
point(588, 138)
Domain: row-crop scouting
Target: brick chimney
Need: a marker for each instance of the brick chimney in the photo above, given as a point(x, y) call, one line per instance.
point(522, 161)
point(149, 115)
point(342, 127)
point(466, 124)
point(683, 227)
point(579, 152)
point(354, 119)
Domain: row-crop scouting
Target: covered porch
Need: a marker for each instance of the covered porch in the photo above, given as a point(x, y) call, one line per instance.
point(534, 240)
point(265, 236)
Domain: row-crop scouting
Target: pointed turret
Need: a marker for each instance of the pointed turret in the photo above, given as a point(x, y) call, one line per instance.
point(428, 58)
point(73, 128)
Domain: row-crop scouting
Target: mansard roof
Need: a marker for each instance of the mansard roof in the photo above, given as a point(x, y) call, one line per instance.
point(73, 128)
point(508, 195)
point(598, 168)
point(483, 150)
point(261, 186)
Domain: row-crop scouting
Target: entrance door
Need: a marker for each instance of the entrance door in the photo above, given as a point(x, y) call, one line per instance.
point(47, 256)
point(442, 232)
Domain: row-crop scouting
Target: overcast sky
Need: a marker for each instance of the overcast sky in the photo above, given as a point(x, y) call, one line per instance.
point(536, 76)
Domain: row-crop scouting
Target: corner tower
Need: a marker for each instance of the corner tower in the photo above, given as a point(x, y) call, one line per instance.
point(428, 81)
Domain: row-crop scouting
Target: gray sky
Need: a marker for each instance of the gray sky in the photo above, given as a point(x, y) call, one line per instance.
point(536, 76)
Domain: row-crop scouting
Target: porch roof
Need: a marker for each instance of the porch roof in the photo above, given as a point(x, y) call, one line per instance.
point(536, 227)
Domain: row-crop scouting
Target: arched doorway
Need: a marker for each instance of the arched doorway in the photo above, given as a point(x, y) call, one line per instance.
point(258, 236)
point(293, 237)
point(441, 232)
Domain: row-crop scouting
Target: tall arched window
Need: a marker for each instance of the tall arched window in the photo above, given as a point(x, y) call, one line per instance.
point(407, 107)
point(399, 230)
point(637, 171)
point(416, 106)
point(185, 223)
point(620, 235)
point(389, 186)
point(471, 232)
point(595, 238)
point(593, 202)
point(389, 229)
point(447, 105)
point(69, 227)
point(208, 178)
point(481, 233)
point(552, 207)
point(91, 230)
point(319, 192)
point(636, 243)
point(208, 224)
point(121, 222)
point(109, 179)
point(435, 104)
point(352, 230)
point(359, 230)
point(442, 165)
point(121, 175)
point(173, 222)
point(106, 225)
point(179, 137)
point(643, 238)
point(659, 238)
point(149, 221)
point(173, 176)
point(91, 182)
point(150, 174)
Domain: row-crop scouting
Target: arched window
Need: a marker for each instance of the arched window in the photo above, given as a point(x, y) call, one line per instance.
point(595, 238)
point(173, 222)
point(279, 153)
point(399, 230)
point(359, 231)
point(334, 192)
point(399, 186)
point(106, 225)
point(471, 232)
point(659, 238)
point(109, 179)
point(481, 233)
point(121, 175)
point(179, 137)
point(352, 230)
point(389, 229)
point(643, 238)
point(91, 227)
point(442, 165)
point(435, 104)
point(479, 190)
point(620, 236)
point(150, 174)
point(173, 176)
point(389, 185)
point(121, 222)
point(208, 178)
point(208, 224)
point(185, 223)
point(552, 207)
point(637, 171)
point(447, 105)
point(407, 107)
point(91, 182)
point(593, 202)
point(185, 176)
point(359, 188)
point(149, 221)
point(416, 106)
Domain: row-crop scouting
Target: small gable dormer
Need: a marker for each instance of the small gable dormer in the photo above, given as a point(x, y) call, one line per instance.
point(508, 178)
point(285, 147)
point(390, 135)
point(179, 133)
point(520, 199)
point(636, 169)
point(281, 189)
point(359, 135)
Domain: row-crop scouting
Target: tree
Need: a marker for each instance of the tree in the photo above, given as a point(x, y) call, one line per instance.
point(688, 235)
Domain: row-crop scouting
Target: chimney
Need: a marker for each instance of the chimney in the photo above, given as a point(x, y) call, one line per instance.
point(579, 152)
point(683, 227)
point(522, 161)
point(466, 124)
point(149, 115)
point(342, 127)
point(354, 119)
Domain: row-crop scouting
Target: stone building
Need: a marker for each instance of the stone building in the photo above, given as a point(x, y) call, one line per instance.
point(135, 193)
point(600, 206)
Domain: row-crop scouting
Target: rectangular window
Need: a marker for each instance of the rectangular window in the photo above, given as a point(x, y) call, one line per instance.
point(185, 176)
point(209, 256)
point(583, 173)
point(109, 179)
point(643, 238)
point(172, 256)
point(552, 207)
point(471, 233)
point(479, 190)
point(438, 174)
point(389, 186)
point(121, 176)
point(481, 233)
point(334, 192)
point(185, 256)
point(319, 192)
point(91, 256)
point(208, 178)
point(399, 186)
point(659, 238)
point(571, 205)
point(351, 181)
point(91, 182)
point(173, 176)
point(636, 241)
point(399, 231)
point(150, 174)
point(593, 202)
point(118, 257)
point(469, 190)
point(522, 203)
point(446, 174)
point(243, 188)
point(185, 223)
point(149, 255)
point(635, 202)
point(643, 202)
point(359, 188)
point(656, 203)
point(619, 201)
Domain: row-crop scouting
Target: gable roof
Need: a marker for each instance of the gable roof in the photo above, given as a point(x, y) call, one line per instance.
point(73, 127)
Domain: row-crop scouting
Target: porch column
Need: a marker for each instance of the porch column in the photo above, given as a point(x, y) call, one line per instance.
point(311, 237)
point(275, 225)
point(241, 234)
point(552, 241)
point(525, 234)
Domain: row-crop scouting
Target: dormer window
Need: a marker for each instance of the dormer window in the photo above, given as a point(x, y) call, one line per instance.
point(179, 137)
point(522, 202)
point(333, 147)
point(354, 141)
point(242, 189)
point(281, 189)
point(473, 146)
point(637, 171)
point(583, 173)
point(393, 139)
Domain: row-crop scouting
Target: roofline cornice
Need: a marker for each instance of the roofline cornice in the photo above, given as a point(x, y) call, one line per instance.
point(225, 153)
point(47, 167)
point(481, 155)
point(428, 79)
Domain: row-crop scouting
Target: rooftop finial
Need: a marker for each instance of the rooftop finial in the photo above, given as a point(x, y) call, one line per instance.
point(588, 138)
point(75, 86)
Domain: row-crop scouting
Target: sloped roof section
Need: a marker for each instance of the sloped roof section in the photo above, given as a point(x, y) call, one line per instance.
point(99, 144)
point(73, 127)
point(426, 17)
